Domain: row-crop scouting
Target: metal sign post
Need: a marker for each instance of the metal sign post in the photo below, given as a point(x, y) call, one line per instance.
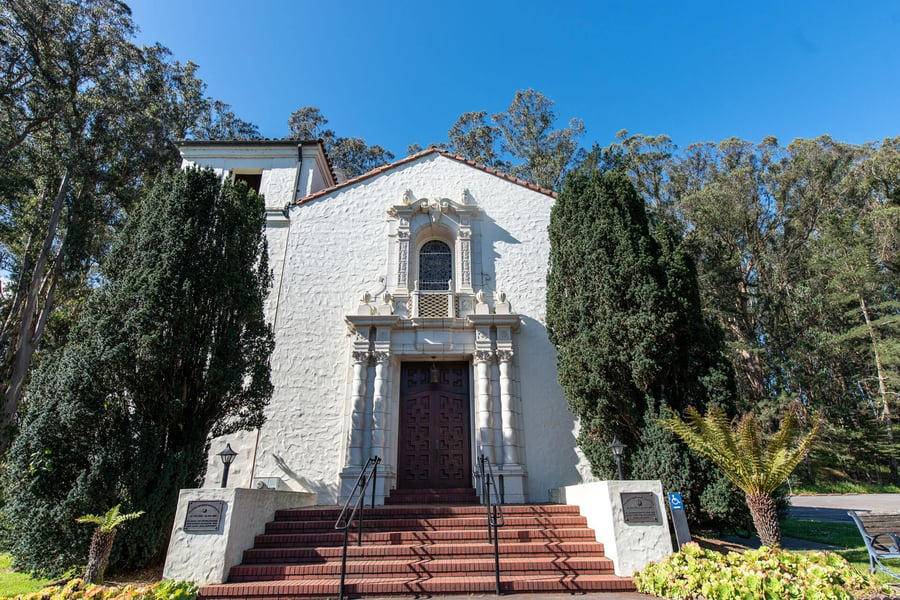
point(676, 509)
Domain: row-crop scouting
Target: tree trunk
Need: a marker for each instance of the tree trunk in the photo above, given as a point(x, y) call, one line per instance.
point(98, 555)
point(765, 518)
point(35, 311)
point(882, 391)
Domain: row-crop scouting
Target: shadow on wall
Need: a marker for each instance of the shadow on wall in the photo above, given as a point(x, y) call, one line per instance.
point(548, 427)
point(490, 230)
point(320, 488)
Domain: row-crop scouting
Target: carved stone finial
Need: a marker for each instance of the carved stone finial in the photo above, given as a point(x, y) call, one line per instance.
point(387, 306)
point(481, 305)
point(464, 197)
point(365, 305)
point(407, 198)
point(501, 304)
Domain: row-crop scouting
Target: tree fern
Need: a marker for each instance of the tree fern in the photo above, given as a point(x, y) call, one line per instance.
point(740, 451)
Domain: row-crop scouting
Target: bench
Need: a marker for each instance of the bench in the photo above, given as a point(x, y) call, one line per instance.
point(881, 532)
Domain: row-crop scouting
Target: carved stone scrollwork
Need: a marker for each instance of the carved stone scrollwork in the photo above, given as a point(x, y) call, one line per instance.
point(360, 357)
point(381, 357)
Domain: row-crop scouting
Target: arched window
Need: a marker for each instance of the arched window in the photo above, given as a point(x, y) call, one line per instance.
point(435, 266)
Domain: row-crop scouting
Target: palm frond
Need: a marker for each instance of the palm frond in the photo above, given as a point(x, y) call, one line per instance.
point(111, 520)
point(738, 449)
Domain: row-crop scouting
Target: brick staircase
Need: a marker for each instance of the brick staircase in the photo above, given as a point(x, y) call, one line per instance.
point(420, 550)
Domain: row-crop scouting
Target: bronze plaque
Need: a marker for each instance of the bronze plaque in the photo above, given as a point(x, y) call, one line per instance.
point(204, 516)
point(640, 507)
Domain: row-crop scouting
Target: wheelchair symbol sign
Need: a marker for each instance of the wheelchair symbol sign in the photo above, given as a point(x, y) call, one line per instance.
point(675, 501)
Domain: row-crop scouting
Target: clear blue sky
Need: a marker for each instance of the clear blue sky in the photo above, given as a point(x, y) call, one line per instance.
point(397, 72)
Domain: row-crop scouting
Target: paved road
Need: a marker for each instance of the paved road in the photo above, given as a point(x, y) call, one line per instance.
point(833, 508)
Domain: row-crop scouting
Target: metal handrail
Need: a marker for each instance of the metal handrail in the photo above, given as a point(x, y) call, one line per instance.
point(495, 519)
point(348, 514)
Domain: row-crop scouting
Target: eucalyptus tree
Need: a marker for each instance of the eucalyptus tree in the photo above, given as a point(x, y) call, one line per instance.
point(529, 135)
point(475, 138)
point(88, 118)
point(351, 155)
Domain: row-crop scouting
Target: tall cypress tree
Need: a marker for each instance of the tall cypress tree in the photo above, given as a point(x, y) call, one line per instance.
point(606, 310)
point(172, 349)
point(624, 311)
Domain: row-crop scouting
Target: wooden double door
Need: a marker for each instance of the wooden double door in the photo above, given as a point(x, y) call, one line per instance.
point(434, 438)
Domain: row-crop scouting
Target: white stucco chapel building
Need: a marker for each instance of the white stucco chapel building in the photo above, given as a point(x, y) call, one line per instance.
point(408, 306)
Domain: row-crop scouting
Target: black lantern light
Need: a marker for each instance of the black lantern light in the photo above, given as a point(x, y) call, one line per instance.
point(618, 448)
point(227, 455)
point(435, 372)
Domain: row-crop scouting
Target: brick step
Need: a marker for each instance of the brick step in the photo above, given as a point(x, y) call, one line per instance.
point(430, 496)
point(459, 523)
point(336, 538)
point(409, 586)
point(594, 565)
point(479, 522)
point(507, 549)
point(428, 511)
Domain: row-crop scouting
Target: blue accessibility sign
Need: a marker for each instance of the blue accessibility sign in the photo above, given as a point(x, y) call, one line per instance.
point(675, 501)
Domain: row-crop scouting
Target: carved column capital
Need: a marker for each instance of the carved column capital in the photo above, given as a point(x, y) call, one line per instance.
point(381, 357)
point(505, 355)
point(360, 357)
point(483, 355)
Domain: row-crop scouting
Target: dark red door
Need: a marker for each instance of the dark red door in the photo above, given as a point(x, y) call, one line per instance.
point(434, 426)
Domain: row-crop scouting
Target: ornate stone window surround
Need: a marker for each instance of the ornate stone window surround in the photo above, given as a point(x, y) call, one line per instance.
point(414, 222)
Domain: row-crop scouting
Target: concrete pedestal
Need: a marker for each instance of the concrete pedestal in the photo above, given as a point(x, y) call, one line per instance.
point(207, 557)
point(630, 545)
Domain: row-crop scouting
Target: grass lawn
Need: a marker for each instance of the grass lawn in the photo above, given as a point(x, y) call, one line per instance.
point(13, 583)
point(845, 487)
point(845, 535)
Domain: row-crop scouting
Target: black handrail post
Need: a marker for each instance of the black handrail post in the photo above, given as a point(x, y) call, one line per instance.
point(496, 554)
point(374, 479)
point(343, 564)
point(345, 520)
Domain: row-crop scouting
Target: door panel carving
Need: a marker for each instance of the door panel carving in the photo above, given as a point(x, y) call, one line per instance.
point(434, 427)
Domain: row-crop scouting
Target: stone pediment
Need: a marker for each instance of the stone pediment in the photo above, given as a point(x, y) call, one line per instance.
point(434, 207)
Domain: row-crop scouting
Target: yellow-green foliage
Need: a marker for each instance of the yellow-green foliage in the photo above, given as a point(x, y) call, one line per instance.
point(764, 574)
point(77, 589)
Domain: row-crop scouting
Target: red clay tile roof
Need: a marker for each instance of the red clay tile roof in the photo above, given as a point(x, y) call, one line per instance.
point(417, 156)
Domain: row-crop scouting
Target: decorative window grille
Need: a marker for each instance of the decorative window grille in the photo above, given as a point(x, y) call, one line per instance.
point(435, 267)
point(433, 305)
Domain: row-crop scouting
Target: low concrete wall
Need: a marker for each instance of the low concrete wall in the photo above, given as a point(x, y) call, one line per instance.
point(207, 557)
point(630, 545)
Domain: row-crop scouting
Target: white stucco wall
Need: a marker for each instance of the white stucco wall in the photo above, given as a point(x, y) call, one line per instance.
point(330, 250)
point(336, 248)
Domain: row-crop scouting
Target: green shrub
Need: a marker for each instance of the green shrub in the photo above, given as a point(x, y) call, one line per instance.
point(767, 573)
point(77, 589)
